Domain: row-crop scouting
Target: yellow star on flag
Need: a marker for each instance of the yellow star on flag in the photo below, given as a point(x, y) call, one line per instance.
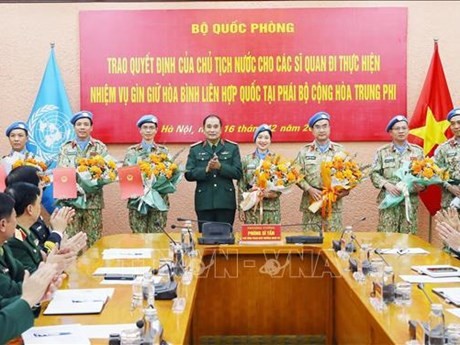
point(432, 133)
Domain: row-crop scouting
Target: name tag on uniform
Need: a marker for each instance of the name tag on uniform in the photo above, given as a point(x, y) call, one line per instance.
point(451, 154)
point(310, 158)
point(71, 152)
point(251, 166)
point(389, 159)
point(225, 152)
point(413, 158)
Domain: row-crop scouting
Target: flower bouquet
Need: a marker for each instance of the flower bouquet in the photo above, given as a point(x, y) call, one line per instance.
point(423, 172)
point(273, 174)
point(339, 174)
point(43, 172)
point(95, 172)
point(160, 175)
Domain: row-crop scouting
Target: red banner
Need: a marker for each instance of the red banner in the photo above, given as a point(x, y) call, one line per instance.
point(249, 66)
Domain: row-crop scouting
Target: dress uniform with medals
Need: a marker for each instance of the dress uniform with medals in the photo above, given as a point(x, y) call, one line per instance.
point(154, 220)
point(389, 158)
point(88, 219)
point(215, 192)
point(447, 156)
point(309, 159)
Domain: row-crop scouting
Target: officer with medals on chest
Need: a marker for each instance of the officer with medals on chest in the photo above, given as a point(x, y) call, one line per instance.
point(310, 158)
point(388, 160)
point(88, 219)
point(447, 156)
point(214, 163)
point(154, 220)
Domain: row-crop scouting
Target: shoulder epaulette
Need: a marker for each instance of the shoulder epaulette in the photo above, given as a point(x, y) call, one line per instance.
point(197, 143)
point(18, 234)
point(231, 142)
point(383, 147)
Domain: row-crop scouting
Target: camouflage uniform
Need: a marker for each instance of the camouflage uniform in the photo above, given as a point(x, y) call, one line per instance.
point(387, 161)
point(447, 156)
point(310, 159)
point(154, 220)
point(88, 220)
point(271, 207)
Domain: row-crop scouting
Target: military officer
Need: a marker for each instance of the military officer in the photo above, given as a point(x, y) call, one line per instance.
point(18, 133)
point(310, 158)
point(214, 163)
point(389, 158)
point(154, 220)
point(24, 244)
point(447, 156)
point(88, 219)
point(18, 315)
point(270, 200)
point(11, 270)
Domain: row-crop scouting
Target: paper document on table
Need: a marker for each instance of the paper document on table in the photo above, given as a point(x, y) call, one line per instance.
point(455, 311)
point(127, 253)
point(156, 280)
point(104, 331)
point(78, 301)
point(62, 334)
point(451, 295)
point(399, 251)
point(137, 271)
point(415, 279)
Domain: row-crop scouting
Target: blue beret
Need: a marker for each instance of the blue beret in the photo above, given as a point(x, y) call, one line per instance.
point(82, 115)
point(452, 113)
point(262, 128)
point(17, 125)
point(395, 120)
point(147, 119)
point(322, 115)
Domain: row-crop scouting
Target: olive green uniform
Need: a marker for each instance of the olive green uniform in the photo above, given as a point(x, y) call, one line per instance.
point(15, 318)
point(25, 248)
point(215, 191)
point(11, 277)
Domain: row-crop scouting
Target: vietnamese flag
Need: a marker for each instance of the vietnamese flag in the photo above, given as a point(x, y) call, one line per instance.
point(429, 125)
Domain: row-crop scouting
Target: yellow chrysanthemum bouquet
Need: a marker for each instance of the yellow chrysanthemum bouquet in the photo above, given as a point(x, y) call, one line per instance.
point(43, 172)
point(95, 172)
point(423, 172)
point(160, 175)
point(339, 174)
point(274, 173)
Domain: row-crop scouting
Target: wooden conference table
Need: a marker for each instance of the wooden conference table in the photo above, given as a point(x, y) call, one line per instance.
point(264, 290)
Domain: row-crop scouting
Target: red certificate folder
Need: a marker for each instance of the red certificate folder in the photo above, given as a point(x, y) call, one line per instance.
point(65, 183)
point(130, 182)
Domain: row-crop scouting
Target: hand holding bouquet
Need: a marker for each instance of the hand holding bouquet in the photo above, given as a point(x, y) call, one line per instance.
point(43, 173)
point(274, 174)
point(160, 175)
point(95, 172)
point(339, 174)
point(423, 172)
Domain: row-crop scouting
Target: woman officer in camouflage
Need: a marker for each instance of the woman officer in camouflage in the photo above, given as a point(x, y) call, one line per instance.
point(270, 201)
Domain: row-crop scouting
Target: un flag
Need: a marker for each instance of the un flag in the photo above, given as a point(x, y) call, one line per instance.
point(49, 121)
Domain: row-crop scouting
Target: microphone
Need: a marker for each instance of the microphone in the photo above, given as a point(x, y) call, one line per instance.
point(366, 265)
point(337, 244)
point(185, 232)
point(169, 236)
point(305, 239)
point(379, 253)
point(198, 221)
point(165, 290)
point(421, 286)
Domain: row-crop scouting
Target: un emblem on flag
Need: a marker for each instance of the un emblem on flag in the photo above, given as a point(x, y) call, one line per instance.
point(49, 129)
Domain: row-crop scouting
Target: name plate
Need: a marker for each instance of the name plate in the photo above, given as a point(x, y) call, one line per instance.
point(261, 232)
